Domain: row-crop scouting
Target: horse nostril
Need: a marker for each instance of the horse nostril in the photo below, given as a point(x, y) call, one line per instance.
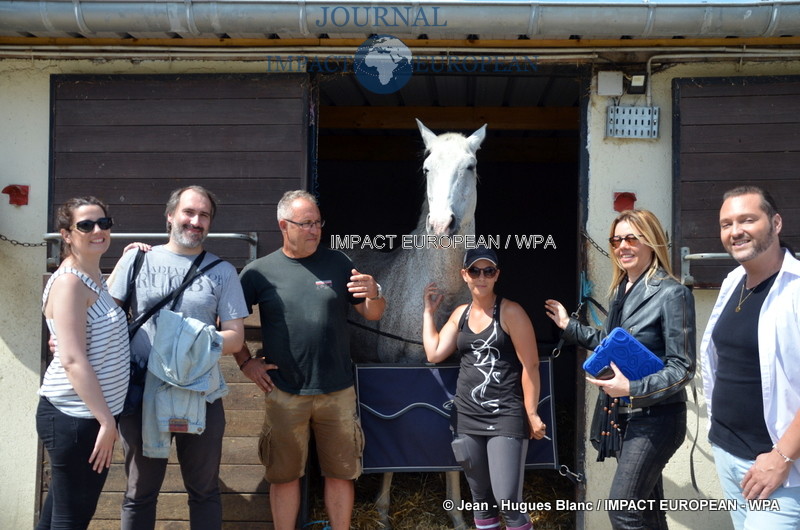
point(452, 224)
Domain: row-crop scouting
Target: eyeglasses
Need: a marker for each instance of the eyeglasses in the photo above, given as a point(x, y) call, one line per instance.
point(307, 225)
point(87, 225)
point(629, 239)
point(475, 272)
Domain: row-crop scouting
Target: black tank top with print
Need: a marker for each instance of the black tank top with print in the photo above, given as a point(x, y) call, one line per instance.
point(489, 392)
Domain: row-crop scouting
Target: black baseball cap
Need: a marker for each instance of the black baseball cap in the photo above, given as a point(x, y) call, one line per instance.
point(474, 254)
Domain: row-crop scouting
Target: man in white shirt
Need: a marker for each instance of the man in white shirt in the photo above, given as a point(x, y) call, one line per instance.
point(751, 366)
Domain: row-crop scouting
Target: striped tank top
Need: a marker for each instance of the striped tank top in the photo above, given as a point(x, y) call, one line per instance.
point(107, 349)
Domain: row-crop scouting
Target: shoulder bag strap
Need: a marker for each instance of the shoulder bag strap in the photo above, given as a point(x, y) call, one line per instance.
point(189, 279)
point(193, 273)
point(137, 265)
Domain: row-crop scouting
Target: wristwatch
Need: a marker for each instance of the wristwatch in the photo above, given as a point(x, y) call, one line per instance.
point(380, 292)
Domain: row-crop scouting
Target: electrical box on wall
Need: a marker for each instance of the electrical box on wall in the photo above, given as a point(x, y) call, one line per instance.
point(632, 122)
point(609, 84)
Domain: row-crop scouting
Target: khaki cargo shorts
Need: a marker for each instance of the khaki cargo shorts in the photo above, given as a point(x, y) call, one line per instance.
point(288, 422)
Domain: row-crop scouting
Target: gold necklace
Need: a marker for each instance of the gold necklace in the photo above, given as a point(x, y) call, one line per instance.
point(743, 300)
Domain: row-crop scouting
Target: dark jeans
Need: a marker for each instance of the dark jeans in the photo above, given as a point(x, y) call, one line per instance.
point(199, 456)
point(74, 486)
point(651, 438)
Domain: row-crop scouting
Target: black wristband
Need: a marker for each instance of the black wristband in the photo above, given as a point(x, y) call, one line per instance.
point(241, 366)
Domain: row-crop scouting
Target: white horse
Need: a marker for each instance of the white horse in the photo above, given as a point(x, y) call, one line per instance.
point(436, 255)
point(434, 252)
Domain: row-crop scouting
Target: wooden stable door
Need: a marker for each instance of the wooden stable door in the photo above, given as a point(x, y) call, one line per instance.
point(131, 140)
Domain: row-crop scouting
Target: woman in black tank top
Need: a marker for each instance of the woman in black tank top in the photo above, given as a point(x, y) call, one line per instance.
point(498, 389)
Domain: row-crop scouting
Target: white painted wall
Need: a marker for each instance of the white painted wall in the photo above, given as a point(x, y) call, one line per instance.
point(24, 124)
point(640, 166)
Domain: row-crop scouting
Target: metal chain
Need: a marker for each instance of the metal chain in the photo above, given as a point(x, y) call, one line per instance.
point(576, 478)
point(22, 244)
point(594, 244)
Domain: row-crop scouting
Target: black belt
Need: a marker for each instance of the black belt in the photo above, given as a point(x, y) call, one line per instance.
point(654, 410)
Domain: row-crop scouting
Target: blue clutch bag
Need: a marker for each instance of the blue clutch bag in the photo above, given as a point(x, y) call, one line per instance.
point(632, 358)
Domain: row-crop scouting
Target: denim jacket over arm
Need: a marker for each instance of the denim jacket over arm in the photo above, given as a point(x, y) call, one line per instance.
point(183, 374)
point(659, 312)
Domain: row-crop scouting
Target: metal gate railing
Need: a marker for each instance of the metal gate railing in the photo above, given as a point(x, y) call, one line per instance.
point(250, 237)
point(687, 258)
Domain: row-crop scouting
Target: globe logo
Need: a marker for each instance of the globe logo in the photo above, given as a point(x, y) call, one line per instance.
point(383, 64)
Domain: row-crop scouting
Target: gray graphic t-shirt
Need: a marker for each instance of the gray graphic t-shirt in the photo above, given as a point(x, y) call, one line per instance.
point(215, 293)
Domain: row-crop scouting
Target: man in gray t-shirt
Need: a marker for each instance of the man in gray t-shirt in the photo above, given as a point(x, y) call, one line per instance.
point(215, 295)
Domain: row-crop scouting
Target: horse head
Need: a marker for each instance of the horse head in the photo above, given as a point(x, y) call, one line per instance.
point(451, 176)
point(448, 210)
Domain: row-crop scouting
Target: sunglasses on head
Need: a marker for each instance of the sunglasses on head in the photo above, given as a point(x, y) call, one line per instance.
point(87, 225)
point(475, 272)
point(629, 239)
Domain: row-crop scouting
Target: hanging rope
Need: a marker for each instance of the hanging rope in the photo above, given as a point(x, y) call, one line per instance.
point(585, 296)
point(384, 333)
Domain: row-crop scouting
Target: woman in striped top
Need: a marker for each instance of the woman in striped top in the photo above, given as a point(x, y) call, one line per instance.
point(85, 384)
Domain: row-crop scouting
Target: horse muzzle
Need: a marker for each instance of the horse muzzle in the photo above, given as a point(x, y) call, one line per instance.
point(442, 225)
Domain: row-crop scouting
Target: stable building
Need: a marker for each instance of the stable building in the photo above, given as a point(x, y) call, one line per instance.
point(592, 107)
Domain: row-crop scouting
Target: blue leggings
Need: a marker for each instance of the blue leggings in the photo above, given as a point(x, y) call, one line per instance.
point(495, 468)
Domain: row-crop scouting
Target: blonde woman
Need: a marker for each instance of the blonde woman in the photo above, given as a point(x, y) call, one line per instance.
point(648, 302)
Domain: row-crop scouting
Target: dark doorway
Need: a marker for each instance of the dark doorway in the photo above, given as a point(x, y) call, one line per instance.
point(369, 182)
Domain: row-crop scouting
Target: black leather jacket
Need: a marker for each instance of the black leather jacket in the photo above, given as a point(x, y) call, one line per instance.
point(659, 312)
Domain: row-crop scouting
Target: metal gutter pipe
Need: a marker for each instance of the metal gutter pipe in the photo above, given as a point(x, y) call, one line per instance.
point(560, 55)
point(543, 55)
point(741, 54)
point(183, 53)
point(447, 19)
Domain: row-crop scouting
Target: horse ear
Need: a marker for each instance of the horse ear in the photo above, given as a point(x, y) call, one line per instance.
point(476, 139)
point(427, 135)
